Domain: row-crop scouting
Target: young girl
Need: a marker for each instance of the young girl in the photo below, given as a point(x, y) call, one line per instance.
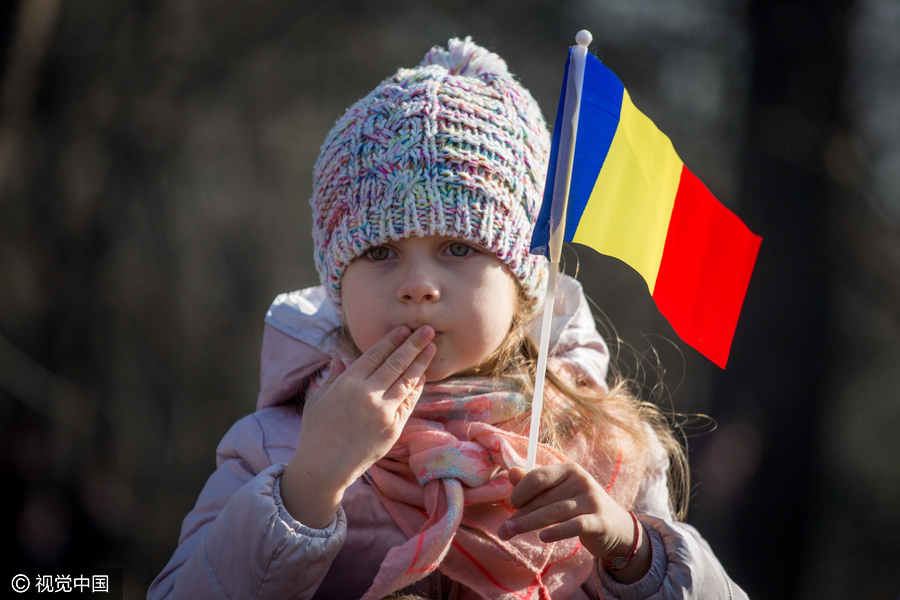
point(411, 370)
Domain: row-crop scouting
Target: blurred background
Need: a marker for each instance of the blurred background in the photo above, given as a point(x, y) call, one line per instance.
point(155, 162)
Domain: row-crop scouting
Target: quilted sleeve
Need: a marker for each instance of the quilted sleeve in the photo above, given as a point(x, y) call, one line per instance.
point(684, 566)
point(239, 541)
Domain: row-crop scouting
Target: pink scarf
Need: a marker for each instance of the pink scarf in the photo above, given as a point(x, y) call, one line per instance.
point(445, 484)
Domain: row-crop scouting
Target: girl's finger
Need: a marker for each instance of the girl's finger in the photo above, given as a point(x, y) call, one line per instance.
point(555, 513)
point(395, 365)
point(564, 491)
point(404, 410)
point(537, 482)
point(574, 527)
point(372, 359)
point(409, 381)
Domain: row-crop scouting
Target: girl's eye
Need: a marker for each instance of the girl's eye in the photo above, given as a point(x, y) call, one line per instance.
point(379, 253)
point(459, 249)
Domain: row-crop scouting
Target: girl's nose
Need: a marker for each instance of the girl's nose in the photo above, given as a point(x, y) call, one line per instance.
point(418, 286)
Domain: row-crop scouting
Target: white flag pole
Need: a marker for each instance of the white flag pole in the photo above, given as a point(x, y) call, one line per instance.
point(565, 158)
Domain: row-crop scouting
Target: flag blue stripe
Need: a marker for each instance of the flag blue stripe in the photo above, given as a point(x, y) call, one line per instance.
point(540, 236)
point(598, 119)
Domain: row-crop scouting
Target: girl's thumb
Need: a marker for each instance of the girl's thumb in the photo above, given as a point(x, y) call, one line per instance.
point(516, 474)
point(334, 370)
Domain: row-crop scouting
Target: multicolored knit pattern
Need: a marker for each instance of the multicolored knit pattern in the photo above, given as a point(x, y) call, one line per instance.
point(454, 147)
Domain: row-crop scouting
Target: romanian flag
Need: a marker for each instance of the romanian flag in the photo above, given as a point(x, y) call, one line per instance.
point(633, 198)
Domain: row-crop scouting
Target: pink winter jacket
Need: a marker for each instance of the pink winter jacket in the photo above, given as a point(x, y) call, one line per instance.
point(240, 542)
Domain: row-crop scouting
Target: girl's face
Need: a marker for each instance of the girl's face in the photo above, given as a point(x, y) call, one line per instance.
point(465, 293)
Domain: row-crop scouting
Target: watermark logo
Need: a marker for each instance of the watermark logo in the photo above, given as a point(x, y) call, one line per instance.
point(106, 584)
point(20, 583)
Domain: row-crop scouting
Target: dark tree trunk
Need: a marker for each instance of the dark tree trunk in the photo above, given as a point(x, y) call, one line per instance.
point(781, 355)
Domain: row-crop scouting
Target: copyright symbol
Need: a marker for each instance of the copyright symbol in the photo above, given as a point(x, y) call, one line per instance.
point(20, 583)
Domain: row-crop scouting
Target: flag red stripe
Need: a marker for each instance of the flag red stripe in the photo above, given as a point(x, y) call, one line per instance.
point(705, 269)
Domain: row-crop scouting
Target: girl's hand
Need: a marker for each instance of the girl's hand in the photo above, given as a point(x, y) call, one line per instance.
point(567, 501)
point(352, 422)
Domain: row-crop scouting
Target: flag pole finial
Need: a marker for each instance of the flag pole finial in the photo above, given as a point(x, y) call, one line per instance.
point(583, 38)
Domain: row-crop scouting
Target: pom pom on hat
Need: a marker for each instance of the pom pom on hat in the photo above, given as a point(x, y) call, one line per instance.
point(466, 59)
point(454, 147)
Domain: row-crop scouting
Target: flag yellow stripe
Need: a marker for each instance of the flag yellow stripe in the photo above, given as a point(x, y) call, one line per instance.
point(627, 215)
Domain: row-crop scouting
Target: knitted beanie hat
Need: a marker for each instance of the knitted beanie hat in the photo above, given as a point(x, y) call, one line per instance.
point(454, 147)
